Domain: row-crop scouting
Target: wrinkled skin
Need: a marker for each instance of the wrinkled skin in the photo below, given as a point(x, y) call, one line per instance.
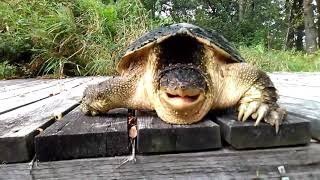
point(182, 80)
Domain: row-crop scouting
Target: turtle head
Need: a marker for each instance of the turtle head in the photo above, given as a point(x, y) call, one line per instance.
point(182, 87)
point(182, 90)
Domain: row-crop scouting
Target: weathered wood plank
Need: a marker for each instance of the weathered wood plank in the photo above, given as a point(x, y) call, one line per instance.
point(34, 96)
point(301, 92)
point(155, 136)
point(15, 82)
point(33, 88)
point(293, 131)
point(299, 162)
point(306, 109)
point(298, 85)
point(18, 127)
point(27, 83)
point(301, 79)
point(78, 136)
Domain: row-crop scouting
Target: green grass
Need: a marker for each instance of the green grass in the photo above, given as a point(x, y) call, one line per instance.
point(73, 37)
point(86, 37)
point(276, 60)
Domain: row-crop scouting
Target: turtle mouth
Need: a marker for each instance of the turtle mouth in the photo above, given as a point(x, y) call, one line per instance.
point(188, 99)
point(182, 99)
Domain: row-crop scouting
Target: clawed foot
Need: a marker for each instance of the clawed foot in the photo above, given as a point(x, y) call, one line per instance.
point(87, 110)
point(273, 115)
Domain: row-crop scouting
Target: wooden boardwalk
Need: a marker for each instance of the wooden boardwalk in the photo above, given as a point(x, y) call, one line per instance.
point(41, 117)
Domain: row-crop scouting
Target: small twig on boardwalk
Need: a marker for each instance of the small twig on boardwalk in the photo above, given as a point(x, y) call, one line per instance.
point(132, 157)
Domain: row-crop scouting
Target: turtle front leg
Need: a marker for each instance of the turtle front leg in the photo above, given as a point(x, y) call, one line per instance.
point(116, 92)
point(255, 94)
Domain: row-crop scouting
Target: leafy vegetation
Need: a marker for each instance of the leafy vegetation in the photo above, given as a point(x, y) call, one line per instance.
point(81, 37)
point(277, 60)
point(7, 70)
point(85, 37)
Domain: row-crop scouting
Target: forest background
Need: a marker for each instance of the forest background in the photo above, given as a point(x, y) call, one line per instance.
point(57, 38)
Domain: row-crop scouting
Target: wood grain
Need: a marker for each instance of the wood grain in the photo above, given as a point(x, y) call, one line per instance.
point(35, 96)
point(18, 127)
point(243, 135)
point(299, 94)
point(6, 83)
point(305, 109)
point(78, 136)
point(33, 86)
point(300, 163)
point(155, 136)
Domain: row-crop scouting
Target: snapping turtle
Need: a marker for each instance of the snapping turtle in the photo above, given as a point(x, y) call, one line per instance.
point(183, 71)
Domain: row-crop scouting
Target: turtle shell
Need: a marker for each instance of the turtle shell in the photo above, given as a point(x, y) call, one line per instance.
point(210, 38)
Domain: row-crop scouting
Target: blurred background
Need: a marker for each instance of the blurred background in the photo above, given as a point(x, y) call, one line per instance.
point(55, 38)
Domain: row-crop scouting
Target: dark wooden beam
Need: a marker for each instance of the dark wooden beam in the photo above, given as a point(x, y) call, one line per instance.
point(79, 136)
point(244, 135)
point(156, 136)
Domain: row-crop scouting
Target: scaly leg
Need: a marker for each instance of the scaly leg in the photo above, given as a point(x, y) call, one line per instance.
point(116, 92)
point(252, 91)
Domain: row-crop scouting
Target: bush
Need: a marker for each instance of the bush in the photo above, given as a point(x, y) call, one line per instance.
point(7, 70)
point(74, 37)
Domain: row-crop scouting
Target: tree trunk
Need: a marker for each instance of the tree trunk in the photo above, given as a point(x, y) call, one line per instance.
point(318, 10)
point(289, 41)
point(310, 30)
point(299, 37)
point(241, 4)
point(299, 24)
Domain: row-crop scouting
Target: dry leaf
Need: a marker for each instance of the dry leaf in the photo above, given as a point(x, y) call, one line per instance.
point(133, 132)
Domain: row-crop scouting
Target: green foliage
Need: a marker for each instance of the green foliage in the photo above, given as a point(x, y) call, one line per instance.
point(263, 22)
point(276, 60)
point(74, 37)
point(7, 70)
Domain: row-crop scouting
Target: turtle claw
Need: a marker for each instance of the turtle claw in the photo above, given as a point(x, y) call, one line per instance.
point(252, 107)
point(261, 111)
point(87, 110)
point(242, 108)
point(275, 118)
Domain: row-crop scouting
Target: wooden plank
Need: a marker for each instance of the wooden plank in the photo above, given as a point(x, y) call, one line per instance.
point(298, 85)
point(300, 95)
point(299, 162)
point(18, 127)
point(155, 136)
point(301, 79)
point(80, 136)
point(293, 131)
point(33, 88)
point(301, 92)
point(27, 83)
point(15, 82)
point(306, 109)
point(35, 96)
